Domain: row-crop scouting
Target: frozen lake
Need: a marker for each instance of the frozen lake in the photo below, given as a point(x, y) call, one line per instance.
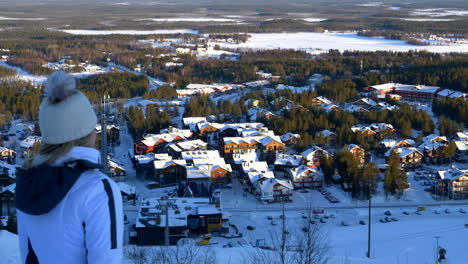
point(315, 42)
point(128, 32)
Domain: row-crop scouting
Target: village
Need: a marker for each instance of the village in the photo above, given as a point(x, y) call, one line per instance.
point(191, 176)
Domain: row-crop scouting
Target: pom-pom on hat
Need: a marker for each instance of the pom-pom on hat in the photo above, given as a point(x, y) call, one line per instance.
point(65, 113)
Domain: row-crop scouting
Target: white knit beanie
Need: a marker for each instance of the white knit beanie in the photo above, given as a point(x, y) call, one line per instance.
point(65, 113)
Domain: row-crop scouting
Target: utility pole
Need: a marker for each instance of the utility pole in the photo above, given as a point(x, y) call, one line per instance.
point(369, 225)
point(104, 150)
point(165, 203)
point(436, 256)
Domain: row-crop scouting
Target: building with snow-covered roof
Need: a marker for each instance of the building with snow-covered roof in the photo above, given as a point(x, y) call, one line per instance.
point(306, 177)
point(169, 171)
point(447, 93)
point(320, 100)
point(462, 151)
point(7, 173)
point(273, 190)
point(407, 92)
point(128, 191)
point(191, 122)
point(462, 136)
point(189, 156)
point(313, 155)
point(7, 155)
point(7, 200)
point(152, 142)
point(456, 183)
point(285, 161)
point(410, 157)
point(290, 138)
point(185, 215)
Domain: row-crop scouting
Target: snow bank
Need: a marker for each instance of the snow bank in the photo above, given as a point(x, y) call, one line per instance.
point(9, 249)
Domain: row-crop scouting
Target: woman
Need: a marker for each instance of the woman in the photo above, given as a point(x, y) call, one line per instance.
point(68, 212)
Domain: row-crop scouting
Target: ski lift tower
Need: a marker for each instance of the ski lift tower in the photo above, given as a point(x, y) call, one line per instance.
point(104, 146)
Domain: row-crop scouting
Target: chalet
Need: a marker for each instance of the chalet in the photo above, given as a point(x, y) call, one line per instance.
point(388, 143)
point(455, 182)
point(355, 108)
point(152, 142)
point(383, 106)
point(191, 122)
point(113, 134)
point(257, 84)
point(273, 190)
point(329, 107)
point(254, 166)
point(380, 130)
point(446, 93)
point(185, 215)
point(255, 176)
point(7, 200)
point(7, 174)
point(284, 162)
point(255, 113)
point(28, 144)
point(7, 155)
point(290, 138)
point(320, 100)
point(117, 172)
point(434, 148)
point(208, 132)
point(306, 177)
point(365, 103)
point(128, 191)
point(410, 157)
point(169, 171)
point(328, 136)
point(313, 155)
point(462, 151)
point(358, 153)
point(175, 149)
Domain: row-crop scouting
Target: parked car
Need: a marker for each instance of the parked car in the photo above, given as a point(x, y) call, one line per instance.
point(344, 223)
point(323, 220)
point(437, 211)
point(273, 223)
point(382, 220)
point(249, 227)
point(270, 217)
point(388, 213)
point(419, 212)
point(388, 219)
point(394, 219)
point(362, 222)
point(447, 211)
point(305, 229)
point(406, 212)
point(312, 222)
point(462, 211)
point(152, 185)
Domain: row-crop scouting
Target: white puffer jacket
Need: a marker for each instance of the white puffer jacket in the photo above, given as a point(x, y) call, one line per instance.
point(70, 212)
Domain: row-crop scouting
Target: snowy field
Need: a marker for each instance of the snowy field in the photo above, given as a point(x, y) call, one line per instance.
point(128, 32)
point(439, 12)
point(189, 19)
point(21, 18)
point(340, 41)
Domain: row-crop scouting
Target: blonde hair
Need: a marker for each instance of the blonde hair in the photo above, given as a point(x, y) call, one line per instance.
point(52, 152)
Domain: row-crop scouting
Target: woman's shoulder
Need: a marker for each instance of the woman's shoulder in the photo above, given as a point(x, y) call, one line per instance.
point(93, 182)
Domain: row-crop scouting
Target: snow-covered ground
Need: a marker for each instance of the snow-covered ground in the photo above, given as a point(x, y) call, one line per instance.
point(24, 75)
point(189, 19)
point(128, 32)
point(439, 12)
point(22, 18)
point(9, 248)
point(340, 41)
point(428, 19)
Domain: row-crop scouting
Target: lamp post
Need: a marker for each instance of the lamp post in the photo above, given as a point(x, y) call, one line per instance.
point(369, 220)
